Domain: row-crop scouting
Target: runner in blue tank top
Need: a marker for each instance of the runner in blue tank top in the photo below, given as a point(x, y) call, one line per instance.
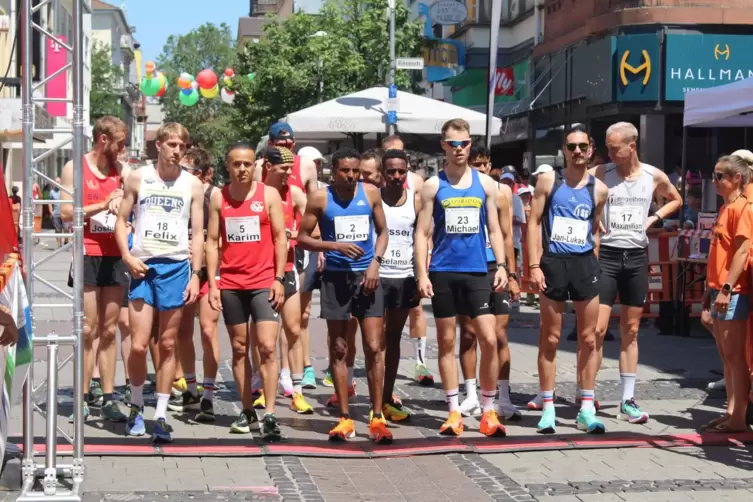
point(348, 212)
point(563, 239)
point(462, 203)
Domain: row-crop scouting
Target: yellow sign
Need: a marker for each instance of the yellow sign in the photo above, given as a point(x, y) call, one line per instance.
point(625, 66)
point(724, 53)
point(442, 55)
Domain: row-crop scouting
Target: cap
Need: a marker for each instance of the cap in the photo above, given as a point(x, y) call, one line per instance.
point(310, 153)
point(543, 168)
point(525, 190)
point(279, 155)
point(507, 176)
point(509, 169)
point(277, 129)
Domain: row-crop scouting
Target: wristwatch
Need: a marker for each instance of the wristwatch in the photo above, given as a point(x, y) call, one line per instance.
point(288, 234)
point(379, 259)
point(197, 273)
point(726, 288)
point(280, 279)
point(502, 265)
point(513, 276)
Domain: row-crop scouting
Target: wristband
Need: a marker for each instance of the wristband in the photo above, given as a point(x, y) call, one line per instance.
point(531, 267)
point(513, 276)
point(502, 265)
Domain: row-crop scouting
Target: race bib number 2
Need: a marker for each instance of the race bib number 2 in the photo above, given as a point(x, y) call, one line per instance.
point(245, 229)
point(569, 231)
point(461, 220)
point(352, 228)
point(102, 223)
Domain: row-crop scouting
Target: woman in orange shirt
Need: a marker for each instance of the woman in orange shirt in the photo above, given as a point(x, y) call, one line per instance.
point(728, 286)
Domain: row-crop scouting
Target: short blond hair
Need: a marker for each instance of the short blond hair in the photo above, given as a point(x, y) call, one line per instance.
point(108, 125)
point(172, 129)
point(626, 130)
point(456, 125)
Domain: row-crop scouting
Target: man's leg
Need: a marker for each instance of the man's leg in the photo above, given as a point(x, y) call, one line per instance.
point(486, 336)
point(309, 377)
point(291, 324)
point(266, 344)
point(140, 320)
point(630, 321)
point(338, 351)
point(549, 339)
point(95, 386)
point(468, 363)
point(210, 348)
point(110, 299)
point(125, 348)
point(506, 410)
point(91, 327)
point(286, 380)
point(394, 322)
point(417, 320)
point(586, 317)
point(186, 356)
point(241, 366)
point(169, 322)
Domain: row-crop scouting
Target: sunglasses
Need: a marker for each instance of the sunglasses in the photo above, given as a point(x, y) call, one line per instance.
point(719, 176)
point(458, 143)
point(190, 169)
point(582, 146)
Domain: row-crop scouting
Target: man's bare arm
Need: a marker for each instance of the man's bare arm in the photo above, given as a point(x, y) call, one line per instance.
point(277, 220)
point(492, 219)
point(213, 238)
point(66, 210)
point(309, 176)
point(423, 227)
point(130, 194)
point(380, 220)
point(665, 189)
point(314, 210)
point(602, 193)
point(197, 222)
point(535, 248)
point(504, 202)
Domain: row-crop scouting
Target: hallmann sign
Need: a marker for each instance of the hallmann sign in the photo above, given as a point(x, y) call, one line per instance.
point(699, 61)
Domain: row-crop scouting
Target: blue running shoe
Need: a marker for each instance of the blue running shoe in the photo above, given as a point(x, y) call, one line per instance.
point(588, 422)
point(631, 412)
point(547, 422)
point(309, 378)
point(135, 424)
point(161, 432)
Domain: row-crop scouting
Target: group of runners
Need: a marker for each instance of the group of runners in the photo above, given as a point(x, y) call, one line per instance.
point(162, 243)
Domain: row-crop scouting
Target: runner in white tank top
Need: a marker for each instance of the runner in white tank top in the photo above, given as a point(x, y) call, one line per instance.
point(162, 198)
point(623, 253)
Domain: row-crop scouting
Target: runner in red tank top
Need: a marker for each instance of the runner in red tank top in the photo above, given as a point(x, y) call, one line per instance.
point(248, 217)
point(105, 274)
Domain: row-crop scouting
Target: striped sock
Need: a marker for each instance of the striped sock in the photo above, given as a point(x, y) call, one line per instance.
point(547, 399)
point(487, 399)
point(297, 383)
point(586, 400)
point(191, 383)
point(452, 399)
point(209, 388)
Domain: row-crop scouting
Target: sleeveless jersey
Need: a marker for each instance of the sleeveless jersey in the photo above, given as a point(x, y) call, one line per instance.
point(291, 224)
point(295, 174)
point(490, 258)
point(161, 216)
point(248, 250)
point(568, 220)
point(207, 204)
point(99, 229)
point(627, 208)
point(401, 223)
point(348, 221)
point(459, 217)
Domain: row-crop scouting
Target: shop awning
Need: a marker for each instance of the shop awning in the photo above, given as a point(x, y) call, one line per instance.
point(728, 105)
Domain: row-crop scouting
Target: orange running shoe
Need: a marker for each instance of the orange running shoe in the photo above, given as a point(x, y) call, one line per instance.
point(454, 424)
point(343, 431)
point(378, 431)
point(332, 402)
point(490, 425)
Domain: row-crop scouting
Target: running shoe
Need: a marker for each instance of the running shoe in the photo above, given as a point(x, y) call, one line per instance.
point(127, 395)
point(246, 421)
point(718, 385)
point(587, 421)
point(309, 378)
point(95, 393)
point(491, 426)
point(135, 424)
point(112, 412)
point(300, 406)
point(256, 385)
point(86, 414)
point(378, 431)
point(470, 407)
point(327, 382)
point(537, 402)
point(206, 411)
point(453, 426)
point(597, 405)
point(333, 402)
point(184, 402)
point(423, 376)
point(270, 429)
point(548, 422)
point(344, 430)
point(179, 387)
point(286, 384)
point(394, 413)
point(260, 402)
point(161, 432)
point(508, 412)
point(631, 412)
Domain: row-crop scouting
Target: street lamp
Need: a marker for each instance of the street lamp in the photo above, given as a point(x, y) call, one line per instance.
point(320, 34)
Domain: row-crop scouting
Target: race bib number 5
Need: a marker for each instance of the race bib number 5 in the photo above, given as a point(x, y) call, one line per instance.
point(102, 223)
point(569, 231)
point(352, 228)
point(461, 220)
point(245, 229)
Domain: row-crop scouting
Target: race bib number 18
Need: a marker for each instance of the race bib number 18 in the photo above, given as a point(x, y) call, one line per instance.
point(352, 228)
point(245, 229)
point(163, 229)
point(461, 220)
point(569, 231)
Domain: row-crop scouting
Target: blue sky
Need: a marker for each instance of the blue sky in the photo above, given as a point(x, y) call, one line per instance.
point(155, 20)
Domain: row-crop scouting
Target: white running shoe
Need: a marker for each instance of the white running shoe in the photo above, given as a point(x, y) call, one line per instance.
point(286, 383)
point(508, 412)
point(470, 407)
point(718, 385)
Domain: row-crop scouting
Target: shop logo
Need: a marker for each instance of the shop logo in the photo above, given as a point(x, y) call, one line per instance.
point(724, 53)
point(635, 70)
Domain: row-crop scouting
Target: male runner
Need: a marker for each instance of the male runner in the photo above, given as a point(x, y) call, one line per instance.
point(105, 274)
point(462, 203)
point(563, 264)
point(623, 250)
point(249, 218)
point(348, 213)
point(197, 162)
point(162, 198)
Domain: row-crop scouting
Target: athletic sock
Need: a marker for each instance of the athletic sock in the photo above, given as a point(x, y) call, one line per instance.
point(452, 399)
point(420, 344)
point(285, 373)
point(307, 367)
point(297, 383)
point(487, 399)
point(137, 395)
point(628, 386)
point(98, 380)
point(351, 375)
point(504, 391)
point(547, 399)
point(209, 388)
point(106, 398)
point(191, 383)
point(586, 400)
point(470, 388)
point(160, 411)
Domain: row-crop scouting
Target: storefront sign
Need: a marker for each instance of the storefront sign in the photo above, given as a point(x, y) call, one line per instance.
point(699, 61)
point(56, 88)
point(469, 88)
point(443, 60)
point(448, 12)
point(636, 63)
point(504, 82)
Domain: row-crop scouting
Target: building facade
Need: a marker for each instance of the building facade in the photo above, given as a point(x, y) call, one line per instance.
point(251, 27)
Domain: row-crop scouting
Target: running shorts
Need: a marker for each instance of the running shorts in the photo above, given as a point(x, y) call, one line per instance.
point(624, 272)
point(499, 301)
point(739, 306)
point(571, 276)
point(164, 286)
point(460, 293)
point(400, 293)
point(126, 292)
point(240, 305)
point(291, 283)
point(342, 297)
point(312, 279)
point(299, 258)
point(102, 272)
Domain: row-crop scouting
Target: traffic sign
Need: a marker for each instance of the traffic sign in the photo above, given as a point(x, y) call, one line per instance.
point(410, 63)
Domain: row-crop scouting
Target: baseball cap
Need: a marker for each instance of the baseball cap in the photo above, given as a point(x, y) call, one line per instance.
point(507, 176)
point(279, 155)
point(525, 189)
point(310, 153)
point(277, 130)
point(543, 168)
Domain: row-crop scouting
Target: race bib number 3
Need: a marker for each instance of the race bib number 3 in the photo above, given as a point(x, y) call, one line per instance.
point(461, 220)
point(165, 229)
point(628, 218)
point(245, 229)
point(569, 231)
point(102, 223)
point(352, 228)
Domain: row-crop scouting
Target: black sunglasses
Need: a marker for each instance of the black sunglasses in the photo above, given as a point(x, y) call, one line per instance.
point(582, 146)
point(190, 169)
point(719, 176)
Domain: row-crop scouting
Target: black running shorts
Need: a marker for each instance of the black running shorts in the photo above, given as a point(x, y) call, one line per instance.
point(103, 271)
point(623, 272)
point(238, 305)
point(400, 293)
point(460, 293)
point(499, 300)
point(574, 277)
point(342, 297)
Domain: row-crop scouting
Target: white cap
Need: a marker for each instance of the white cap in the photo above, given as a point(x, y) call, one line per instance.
point(310, 153)
point(524, 189)
point(543, 168)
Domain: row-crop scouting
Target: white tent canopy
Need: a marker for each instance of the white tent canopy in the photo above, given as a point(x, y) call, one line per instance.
point(365, 112)
point(729, 105)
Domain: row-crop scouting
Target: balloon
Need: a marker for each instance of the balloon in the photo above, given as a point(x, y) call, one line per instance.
point(194, 85)
point(150, 68)
point(206, 79)
point(227, 96)
point(150, 86)
point(251, 76)
point(189, 99)
point(161, 92)
point(229, 72)
point(210, 93)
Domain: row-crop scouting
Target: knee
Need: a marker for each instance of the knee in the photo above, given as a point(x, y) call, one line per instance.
point(207, 335)
point(550, 341)
point(108, 334)
point(266, 351)
point(630, 335)
point(239, 348)
point(339, 348)
point(139, 348)
point(601, 331)
point(587, 342)
point(89, 333)
point(374, 346)
point(166, 344)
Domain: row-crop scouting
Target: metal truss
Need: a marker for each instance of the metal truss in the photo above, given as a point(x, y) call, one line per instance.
point(51, 472)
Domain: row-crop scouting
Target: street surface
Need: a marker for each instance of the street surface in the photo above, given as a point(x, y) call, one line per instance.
point(663, 460)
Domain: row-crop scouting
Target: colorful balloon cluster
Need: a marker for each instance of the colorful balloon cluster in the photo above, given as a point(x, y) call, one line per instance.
point(227, 94)
point(189, 94)
point(205, 84)
point(154, 83)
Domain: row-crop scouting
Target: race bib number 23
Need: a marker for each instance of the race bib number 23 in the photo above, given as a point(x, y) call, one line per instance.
point(461, 220)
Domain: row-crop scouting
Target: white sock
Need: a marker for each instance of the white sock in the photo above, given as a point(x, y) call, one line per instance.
point(420, 344)
point(351, 375)
point(452, 399)
point(628, 386)
point(137, 395)
point(470, 388)
point(209, 389)
point(504, 391)
point(297, 385)
point(285, 373)
point(487, 399)
point(547, 399)
point(586, 400)
point(160, 411)
point(191, 383)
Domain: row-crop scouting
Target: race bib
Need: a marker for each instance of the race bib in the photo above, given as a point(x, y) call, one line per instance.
point(398, 255)
point(246, 229)
point(569, 231)
point(352, 228)
point(102, 223)
point(486, 237)
point(163, 228)
point(626, 218)
point(461, 220)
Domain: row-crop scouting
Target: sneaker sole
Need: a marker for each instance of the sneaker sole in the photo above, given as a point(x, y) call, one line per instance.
point(238, 430)
point(515, 417)
point(176, 409)
point(426, 382)
point(597, 431)
point(499, 433)
point(342, 437)
point(383, 440)
point(638, 421)
point(310, 411)
point(135, 434)
point(546, 430)
point(475, 412)
point(204, 419)
point(161, 440)
point(309, 386)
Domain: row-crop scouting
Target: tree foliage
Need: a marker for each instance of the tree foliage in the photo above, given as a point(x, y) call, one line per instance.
point(107, 83)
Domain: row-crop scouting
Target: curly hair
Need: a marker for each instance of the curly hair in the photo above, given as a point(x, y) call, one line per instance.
point(200, 158)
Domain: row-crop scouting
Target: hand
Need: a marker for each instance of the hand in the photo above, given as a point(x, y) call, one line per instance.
point(500, 279)
point(370, 282)
point(276, 295)
point(514, 288)
point(706, 299)
point(320, 262)
point(113, 200)
point(215, 299)
point(650, 221)
point(425, 288)
point(192, 290)
point(537, 280)
point(721, 304)
point(9, 328)
point(137, 268)
point(114, 205)
point(349, 249)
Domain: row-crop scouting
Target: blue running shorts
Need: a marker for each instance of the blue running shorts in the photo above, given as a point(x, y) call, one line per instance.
point(165, 284)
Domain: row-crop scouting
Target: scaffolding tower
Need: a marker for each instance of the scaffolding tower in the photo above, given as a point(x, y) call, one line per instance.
point(51, 472)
